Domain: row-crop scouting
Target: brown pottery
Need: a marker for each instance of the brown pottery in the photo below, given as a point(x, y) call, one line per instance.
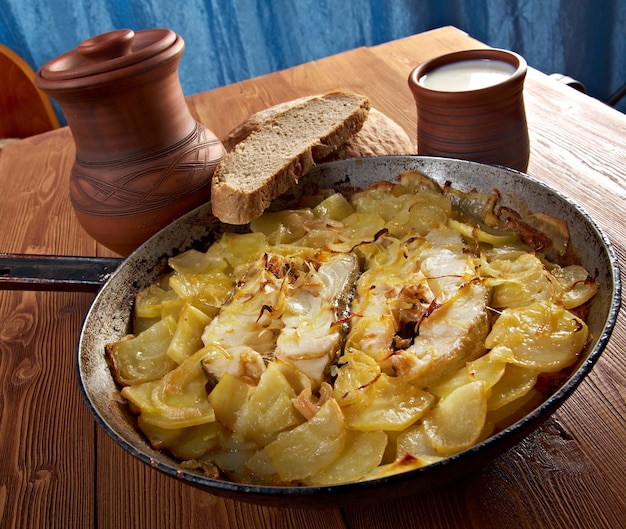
point(485, 125)
point(142, 160)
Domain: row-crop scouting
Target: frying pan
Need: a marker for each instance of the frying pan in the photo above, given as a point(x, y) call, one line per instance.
point(117, 282)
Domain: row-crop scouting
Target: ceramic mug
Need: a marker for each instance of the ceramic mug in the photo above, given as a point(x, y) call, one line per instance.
point(470, 105)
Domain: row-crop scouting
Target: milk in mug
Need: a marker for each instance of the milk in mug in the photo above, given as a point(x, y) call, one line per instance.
point(467, 75)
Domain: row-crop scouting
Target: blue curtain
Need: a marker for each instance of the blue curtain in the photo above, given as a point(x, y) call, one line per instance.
point(232, 40)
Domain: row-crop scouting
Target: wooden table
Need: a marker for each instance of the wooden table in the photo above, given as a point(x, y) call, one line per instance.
point(58, 470)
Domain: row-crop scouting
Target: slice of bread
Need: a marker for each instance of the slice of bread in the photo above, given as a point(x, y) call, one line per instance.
point(380, 135)
point(272, 158)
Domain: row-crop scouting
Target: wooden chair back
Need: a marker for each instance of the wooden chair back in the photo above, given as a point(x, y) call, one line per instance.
point(24, 109)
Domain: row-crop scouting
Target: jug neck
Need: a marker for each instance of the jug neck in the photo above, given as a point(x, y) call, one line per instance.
point(129, 115)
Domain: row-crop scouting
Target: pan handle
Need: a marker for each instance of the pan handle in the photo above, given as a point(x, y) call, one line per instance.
point(55, 272)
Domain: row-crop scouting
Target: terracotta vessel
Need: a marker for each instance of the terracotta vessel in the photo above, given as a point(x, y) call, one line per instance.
point(142, 160)
point(485, 125)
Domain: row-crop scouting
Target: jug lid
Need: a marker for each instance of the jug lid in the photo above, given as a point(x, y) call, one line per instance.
point(107, 52)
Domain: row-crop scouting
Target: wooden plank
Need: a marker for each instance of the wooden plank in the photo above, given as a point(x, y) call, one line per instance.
point(47, 466)
point(46, 433)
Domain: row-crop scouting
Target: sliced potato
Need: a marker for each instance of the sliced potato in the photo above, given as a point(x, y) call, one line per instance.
point(187, 338)
point(519, 282)
point(540, 336)
point(282, 227)
point(141, 358)
point(183, 443)
point(397, 467)
point(362, 453)
point(392, 404)
point(213, 288)
point(516, 381)
point(227, 398)
point(177, 400)
point(359, 227)
point(355, 374)
point(241, 249)
point(514, 410)
point(335, 207)
point(231, 460)
point(195, 262)
point(268, 409)
point(486, 368)
point(149, 301)
point(458, 419)
point(415, 442)
point(578, 285)
point(260, 468)
point(309, 447)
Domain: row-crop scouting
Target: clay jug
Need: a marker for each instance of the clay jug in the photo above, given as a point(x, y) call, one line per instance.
point(486, 124)
point(142, 160)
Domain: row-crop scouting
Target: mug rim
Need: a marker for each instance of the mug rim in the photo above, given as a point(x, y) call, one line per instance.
point(510, 57)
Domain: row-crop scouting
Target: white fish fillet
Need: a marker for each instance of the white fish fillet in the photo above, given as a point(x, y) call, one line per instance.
point(424, 311)
point(286, 307)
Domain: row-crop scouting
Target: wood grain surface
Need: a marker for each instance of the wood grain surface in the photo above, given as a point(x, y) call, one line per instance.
point(59, 470)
